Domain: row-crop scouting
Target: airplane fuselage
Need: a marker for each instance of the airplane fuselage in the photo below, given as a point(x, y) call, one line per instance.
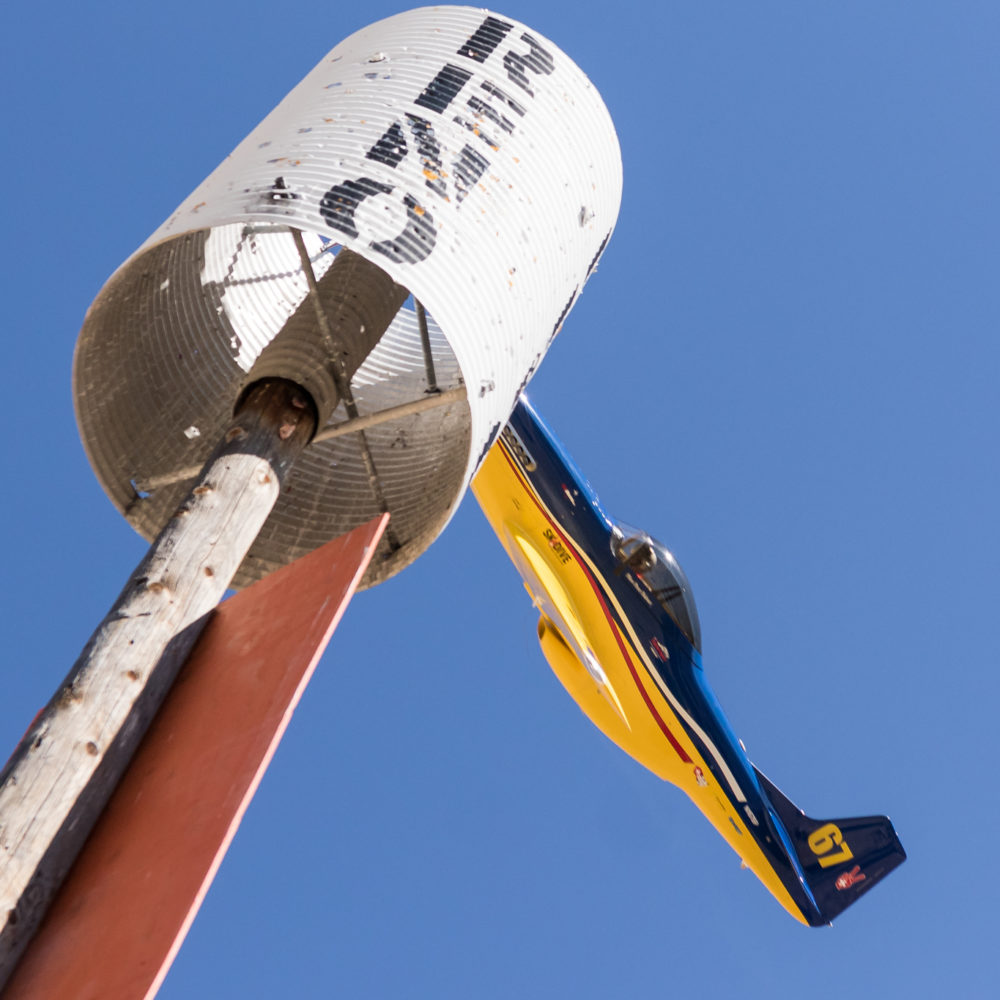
point(619, 629)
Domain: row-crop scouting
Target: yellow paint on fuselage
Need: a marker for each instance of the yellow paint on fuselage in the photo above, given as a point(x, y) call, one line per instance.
point(619, 693)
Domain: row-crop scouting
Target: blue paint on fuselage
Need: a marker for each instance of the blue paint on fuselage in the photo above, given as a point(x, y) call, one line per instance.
point(565, 491)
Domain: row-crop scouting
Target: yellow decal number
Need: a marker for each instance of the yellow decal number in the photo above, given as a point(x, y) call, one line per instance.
point(824, 843)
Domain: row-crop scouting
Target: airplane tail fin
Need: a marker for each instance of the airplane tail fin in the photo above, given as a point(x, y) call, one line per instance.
point(842, 858)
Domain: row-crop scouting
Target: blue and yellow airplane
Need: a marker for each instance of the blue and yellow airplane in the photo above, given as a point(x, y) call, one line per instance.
point(619, 628)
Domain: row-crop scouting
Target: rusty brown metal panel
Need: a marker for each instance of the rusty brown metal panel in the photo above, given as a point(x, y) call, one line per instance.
point(124, 910)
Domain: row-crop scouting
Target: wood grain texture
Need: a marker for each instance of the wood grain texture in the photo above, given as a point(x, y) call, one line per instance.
point(120, 917)
point(62, 773)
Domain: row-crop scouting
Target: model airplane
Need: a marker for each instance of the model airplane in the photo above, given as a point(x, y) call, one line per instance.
point(619, 627)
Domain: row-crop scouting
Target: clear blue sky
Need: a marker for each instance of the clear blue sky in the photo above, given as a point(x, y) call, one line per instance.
point(785, 368)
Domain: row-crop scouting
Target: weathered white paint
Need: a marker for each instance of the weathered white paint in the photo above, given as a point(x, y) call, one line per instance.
point(467, 131)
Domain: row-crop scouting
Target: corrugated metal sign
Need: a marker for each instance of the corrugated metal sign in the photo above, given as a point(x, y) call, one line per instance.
point(457, 150)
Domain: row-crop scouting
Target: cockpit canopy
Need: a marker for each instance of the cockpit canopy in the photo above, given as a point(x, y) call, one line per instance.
point(655, 567)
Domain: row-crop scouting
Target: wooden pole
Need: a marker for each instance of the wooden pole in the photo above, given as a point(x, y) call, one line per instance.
point(122, 913)
point(60, 776)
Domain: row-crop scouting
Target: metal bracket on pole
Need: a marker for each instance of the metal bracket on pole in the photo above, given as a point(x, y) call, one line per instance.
point(331, 431)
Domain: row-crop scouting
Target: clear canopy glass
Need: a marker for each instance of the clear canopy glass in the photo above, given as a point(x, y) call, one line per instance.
point(655, 568)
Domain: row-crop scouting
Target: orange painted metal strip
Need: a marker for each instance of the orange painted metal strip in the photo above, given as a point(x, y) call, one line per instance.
point(126, 906)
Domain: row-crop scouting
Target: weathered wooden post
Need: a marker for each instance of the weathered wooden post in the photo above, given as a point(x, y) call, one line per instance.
point(60, 776)
point(377, 269)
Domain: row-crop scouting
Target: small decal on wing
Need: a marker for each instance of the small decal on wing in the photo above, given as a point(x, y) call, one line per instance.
point(659, 650)
point(557, 546)
point(848, 879)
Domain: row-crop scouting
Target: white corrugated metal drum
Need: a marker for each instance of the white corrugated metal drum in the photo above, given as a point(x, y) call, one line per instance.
point(459, 151)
